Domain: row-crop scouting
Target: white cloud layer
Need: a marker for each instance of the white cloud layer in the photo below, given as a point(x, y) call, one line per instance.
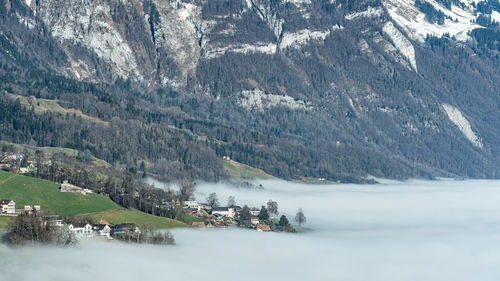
point(447, 230)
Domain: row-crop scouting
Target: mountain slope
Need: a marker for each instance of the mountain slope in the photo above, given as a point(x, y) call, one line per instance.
point(330, 89)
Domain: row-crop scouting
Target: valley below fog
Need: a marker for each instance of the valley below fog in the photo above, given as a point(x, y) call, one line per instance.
point(414, 230)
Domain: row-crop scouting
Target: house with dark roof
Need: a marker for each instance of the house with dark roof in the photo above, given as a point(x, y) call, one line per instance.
point(102, 229)
point(8, 206)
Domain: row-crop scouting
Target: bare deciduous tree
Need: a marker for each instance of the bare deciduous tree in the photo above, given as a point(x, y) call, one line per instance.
point(272, 207)
point(212, 200)
point(300, 218)
point(186, 191)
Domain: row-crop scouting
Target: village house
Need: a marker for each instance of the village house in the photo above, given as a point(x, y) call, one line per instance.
point(254, 220)
point(125, 228)
point(8, 206)
point(223, 211)
point(236, 208)
point(264, 228)
point(81, 228)
point(56, 220)
point(67, 187)
point(192, 205)
point(31, 208)
point(5, 166)
point(27, 168)
point(206, 207)
point(46, 162)
point(102, 229)
point(13, 156)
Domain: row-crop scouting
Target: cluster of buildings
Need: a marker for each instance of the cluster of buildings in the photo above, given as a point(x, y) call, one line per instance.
point(102, 228)
point(221, 216)
point(8, 207)
point(15, 161)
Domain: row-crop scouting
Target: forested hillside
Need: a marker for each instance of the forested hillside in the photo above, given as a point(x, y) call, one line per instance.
point(326, 89)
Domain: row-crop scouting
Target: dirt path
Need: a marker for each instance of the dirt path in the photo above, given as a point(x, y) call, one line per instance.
point(7, 179)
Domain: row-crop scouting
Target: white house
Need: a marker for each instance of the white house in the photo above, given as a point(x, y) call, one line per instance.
point(224, 211)
point(192, 205)
point(81, 228)
point(102, 229)
point(8, 206)
point(32, 208)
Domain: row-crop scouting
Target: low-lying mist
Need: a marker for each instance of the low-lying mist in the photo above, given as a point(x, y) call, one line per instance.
point(444, 230)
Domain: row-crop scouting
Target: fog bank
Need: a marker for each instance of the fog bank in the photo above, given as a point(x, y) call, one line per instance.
point(447, 230)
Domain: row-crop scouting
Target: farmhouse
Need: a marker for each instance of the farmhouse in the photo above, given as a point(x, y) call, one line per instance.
point(81, 228)
point(102, 229)
point(31, 208)
point(67, 187)
point(8, 206)
point(223, 211)
point(192, 205)
point(27, 168)
point(56, 220)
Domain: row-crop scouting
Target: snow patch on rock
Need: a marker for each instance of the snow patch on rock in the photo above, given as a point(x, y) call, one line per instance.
point(402, 43)
point(259, 100)
point(463, 124)
point(297, 39)
point(369, 13)
point(259, 47)
point(413, 21)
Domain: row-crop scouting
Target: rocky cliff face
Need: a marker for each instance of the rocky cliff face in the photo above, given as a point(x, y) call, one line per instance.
point(411, 79)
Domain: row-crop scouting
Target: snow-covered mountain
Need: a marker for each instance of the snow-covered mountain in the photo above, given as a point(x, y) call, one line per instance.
point(415, 80)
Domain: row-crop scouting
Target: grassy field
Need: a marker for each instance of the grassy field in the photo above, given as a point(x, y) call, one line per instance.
point(52, 150)
point(4, 221)
point(30, 191)
point(43, 105)
point(237, 170)
point(137, 217)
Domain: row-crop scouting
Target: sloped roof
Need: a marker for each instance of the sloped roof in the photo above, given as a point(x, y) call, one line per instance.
point(104, 222)
point(263, 227)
